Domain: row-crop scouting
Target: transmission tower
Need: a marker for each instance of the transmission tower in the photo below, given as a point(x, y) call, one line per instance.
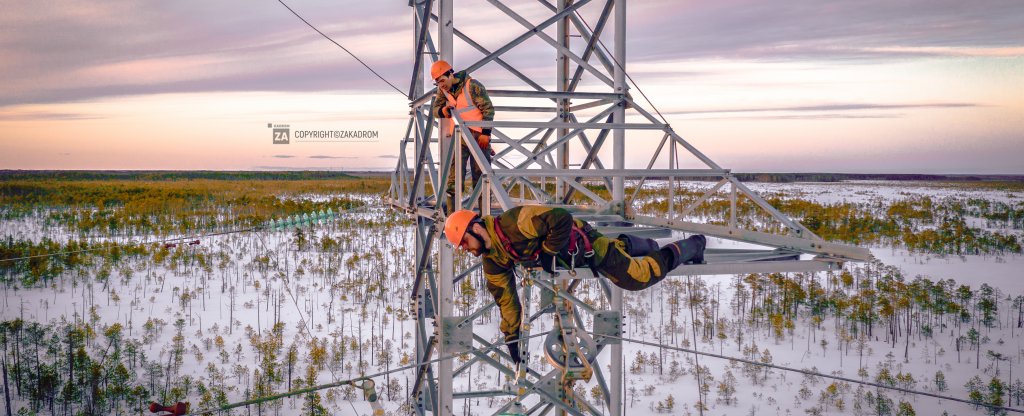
point(551, 146)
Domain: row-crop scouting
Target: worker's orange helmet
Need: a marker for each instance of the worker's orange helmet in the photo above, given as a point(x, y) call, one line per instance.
point(457, 224)
point(439, 68)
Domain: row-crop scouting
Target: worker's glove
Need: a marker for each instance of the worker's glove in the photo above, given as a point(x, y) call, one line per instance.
point(547, 261)
point(484, 140)
point(530, 264)
point(446, 112)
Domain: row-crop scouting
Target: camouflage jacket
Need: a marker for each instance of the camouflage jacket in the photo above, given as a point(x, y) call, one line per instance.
point(480, 98)
point(529, 228)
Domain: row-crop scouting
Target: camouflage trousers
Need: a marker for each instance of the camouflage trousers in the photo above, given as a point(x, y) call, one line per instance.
point(468, 162)
point(610, 261)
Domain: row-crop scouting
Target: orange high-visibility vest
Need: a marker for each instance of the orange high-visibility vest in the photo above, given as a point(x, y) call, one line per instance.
point(465, 108)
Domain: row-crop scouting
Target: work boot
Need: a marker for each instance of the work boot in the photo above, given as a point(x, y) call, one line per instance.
point(513, 350)
point(686, 251)
point(638, 246)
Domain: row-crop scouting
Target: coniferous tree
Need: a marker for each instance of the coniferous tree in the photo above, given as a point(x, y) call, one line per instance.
point(996, 396)
point(940, 381)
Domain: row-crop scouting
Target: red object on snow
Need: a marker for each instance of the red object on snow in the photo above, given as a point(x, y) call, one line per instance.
point(178, 409)
point(170, 245)
point(194, 243)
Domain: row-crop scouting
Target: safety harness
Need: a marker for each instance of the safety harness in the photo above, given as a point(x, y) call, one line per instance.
point(577, 237)
point(507, 244)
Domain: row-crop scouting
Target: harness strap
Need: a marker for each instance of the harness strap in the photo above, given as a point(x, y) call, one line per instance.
point(507, 245)
point(577, 235)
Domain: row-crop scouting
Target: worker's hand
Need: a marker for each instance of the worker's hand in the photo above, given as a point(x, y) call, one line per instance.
point(483, 140)
point(547, 261)
point(446, 112)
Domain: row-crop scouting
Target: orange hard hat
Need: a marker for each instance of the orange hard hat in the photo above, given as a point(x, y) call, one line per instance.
point(457, 224)
point(439, 68)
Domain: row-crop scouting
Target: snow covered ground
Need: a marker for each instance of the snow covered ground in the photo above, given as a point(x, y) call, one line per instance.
point(350, 301)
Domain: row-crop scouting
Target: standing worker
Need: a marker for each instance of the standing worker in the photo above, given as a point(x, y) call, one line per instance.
point(538, 235)
point(460, 94)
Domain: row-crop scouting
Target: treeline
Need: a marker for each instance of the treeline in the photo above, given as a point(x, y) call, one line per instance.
point(1011, 180)
point(68, 175)
point(875, 301)
point(112, 208)
point(917, 223)
point(179, 215)
point(48, 195)
point(839, 177)
point(842, 313)
point(37, 263)
point(333, 256)
point(878, 302)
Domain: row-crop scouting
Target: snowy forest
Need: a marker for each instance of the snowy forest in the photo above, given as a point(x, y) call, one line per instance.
point(121, 291)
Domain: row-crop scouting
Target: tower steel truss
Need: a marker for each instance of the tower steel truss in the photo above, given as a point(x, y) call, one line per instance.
point(551, 148)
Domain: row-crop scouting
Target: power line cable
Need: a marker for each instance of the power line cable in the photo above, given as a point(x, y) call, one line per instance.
point(623, 68)
point(805, 372)
point(812, 373)
point(342, 382)
point(295, 302)
point(342, 47)
point(166, 240)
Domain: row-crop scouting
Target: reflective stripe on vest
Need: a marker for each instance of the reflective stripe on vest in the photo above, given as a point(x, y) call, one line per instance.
point(465, 108)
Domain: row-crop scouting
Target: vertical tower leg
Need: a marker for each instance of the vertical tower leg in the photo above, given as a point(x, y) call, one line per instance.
point(619, 191)
point(446, 269)
point(562, 79)
point(421, 346)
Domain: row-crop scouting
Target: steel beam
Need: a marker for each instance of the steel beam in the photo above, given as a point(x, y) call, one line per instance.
point(562, 13)
point(618, 192)
point(803, 245)
point(556, 95)
point(446, 264)
point(545, 143)
point(600, 173)
point(791, 266)
point(564, 125)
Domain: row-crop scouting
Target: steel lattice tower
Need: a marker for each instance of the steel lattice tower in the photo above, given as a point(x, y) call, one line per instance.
point(560, 160)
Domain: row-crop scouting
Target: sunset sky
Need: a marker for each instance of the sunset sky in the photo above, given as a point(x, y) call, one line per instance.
point(928, 86)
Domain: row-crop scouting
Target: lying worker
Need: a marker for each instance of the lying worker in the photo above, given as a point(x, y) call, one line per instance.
point(538, 235)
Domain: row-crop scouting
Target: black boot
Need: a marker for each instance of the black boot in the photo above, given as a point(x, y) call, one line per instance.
point(513, 350)
point(638, 246)
point(687, 251)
